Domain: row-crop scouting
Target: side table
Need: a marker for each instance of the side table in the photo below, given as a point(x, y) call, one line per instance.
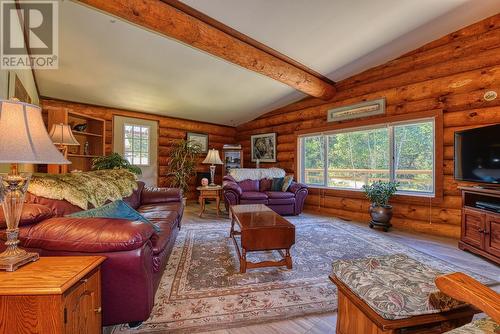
point(54, 295)
point(209, 192)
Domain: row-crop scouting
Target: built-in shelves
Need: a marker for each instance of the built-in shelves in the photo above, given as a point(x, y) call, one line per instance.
point(91, 139)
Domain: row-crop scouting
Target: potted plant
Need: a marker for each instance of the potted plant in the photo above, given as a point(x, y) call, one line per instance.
point(114, 161)
point(379, 193)
point(182, 164)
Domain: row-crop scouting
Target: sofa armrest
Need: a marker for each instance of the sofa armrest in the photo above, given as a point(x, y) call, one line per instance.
point(232, 186)
point(295, 187)
point(160, 195)
point(92, 235)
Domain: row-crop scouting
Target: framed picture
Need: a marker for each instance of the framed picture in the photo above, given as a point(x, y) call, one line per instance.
point(263, 147)
point(200, 138)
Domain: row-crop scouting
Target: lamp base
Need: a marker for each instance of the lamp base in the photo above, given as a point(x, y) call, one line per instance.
point(12, 263)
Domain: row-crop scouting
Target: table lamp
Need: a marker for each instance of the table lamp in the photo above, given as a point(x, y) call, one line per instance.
point(23, 139)
point(213, 158)
point(62, 137)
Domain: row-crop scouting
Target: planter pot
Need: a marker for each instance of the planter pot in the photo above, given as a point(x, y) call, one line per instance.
point(381, 216)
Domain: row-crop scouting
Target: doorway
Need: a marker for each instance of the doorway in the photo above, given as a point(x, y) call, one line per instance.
point(136, 140)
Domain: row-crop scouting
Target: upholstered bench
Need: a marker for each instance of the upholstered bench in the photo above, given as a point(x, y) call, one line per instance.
point(394, 294)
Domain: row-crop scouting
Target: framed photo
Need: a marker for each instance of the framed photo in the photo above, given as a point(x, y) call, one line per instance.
point(263, 147)
point(200, 138)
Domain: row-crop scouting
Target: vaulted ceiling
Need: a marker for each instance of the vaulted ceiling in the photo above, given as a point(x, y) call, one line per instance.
point(108, 61)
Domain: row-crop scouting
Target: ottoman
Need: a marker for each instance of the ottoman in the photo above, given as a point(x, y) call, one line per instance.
point(394, 294)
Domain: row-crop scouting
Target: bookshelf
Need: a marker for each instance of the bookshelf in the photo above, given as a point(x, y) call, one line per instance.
point(91, 139)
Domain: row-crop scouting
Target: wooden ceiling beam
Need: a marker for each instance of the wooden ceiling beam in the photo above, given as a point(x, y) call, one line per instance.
point(184, 24)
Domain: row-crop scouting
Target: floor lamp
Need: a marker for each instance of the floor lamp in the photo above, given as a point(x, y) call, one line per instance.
point(24, 139)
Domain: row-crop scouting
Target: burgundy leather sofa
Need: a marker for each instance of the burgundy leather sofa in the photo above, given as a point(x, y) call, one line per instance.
point(136, 254)
point(290, 202)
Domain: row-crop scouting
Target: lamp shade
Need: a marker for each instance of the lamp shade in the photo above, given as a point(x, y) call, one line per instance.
point(61, 134)
point(213, 158)
point(23, 136)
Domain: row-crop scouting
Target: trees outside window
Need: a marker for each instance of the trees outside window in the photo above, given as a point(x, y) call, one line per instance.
point(402, 152)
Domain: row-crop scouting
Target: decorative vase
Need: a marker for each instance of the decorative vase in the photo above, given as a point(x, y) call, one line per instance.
point(381, 216)
point(204, 182)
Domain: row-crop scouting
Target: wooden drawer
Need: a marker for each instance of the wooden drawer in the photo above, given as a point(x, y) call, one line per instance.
point(492, 234)
point(210, 193)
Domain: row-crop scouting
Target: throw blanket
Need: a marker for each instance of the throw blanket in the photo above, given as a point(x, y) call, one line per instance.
point(82, 188)
point(240, 174)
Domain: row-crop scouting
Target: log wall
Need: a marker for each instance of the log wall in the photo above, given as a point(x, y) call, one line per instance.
point(450, 74)
point(170, 131)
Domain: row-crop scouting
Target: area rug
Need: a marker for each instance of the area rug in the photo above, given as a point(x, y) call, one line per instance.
point(202, 288)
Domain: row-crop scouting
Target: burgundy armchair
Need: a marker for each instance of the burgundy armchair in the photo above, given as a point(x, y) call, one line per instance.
point(290, 202)
point(136, 254)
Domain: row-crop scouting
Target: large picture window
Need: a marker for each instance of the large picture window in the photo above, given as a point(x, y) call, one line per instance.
point(136, 144)
point(349, 159)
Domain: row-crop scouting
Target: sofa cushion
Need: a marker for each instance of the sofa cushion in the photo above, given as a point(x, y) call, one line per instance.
point(248, 195)
point(31, 214)
point(279, 194)
point(149, 208)
point(249, 185)
point(287, 181)
point(281, 201)
point(134, 200)
point(265, 185)
point(92, 235)
point(116, 209)
point(59, 207)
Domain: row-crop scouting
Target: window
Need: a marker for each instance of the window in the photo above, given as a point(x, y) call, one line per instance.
point(349, 159)
point(136, 144)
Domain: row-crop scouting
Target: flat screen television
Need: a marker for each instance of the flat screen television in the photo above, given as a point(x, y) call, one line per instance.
point(477, 154)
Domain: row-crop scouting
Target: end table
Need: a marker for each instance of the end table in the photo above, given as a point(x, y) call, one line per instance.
point(209, 192)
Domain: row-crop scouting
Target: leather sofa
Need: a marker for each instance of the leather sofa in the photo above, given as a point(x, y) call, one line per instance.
point(290, 202)
point(136, 254)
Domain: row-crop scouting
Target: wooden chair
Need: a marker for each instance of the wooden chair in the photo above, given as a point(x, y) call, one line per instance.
point(466, 289)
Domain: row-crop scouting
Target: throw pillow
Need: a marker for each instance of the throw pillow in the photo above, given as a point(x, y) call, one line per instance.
point(116, 209)
point(31, 214)
point(277, 184)
point(287, 182)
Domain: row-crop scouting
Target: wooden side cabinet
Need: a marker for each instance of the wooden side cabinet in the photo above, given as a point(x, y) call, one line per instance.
point(480, 233)
point(52, 295)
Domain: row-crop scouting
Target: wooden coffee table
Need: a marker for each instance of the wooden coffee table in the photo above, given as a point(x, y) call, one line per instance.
point(261, 229)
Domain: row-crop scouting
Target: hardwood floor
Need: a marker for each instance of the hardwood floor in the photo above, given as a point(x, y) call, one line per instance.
point(440, 247)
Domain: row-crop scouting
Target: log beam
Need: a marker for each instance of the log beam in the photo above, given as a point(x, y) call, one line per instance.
point(165, 19)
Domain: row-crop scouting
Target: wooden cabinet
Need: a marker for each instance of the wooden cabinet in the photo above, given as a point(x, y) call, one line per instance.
point(52, 295)
point(480, 233)
point(232, 159)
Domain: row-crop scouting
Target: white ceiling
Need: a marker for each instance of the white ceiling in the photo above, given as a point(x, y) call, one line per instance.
point(109, 62)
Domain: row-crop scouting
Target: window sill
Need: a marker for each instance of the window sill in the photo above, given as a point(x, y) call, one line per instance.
point(397, 198)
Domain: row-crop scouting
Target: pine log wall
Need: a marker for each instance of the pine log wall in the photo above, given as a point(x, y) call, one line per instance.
point(449, 74)
point(170, 131)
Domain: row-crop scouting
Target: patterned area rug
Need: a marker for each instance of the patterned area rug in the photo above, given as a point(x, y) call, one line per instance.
point(202, 288)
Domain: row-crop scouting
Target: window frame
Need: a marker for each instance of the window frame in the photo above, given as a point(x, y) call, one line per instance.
point(371, 123)
point(125, 124)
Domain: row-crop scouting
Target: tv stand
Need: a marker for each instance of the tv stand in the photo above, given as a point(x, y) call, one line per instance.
point(480, 232)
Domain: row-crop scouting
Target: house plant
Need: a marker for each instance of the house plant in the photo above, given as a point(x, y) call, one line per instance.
point(182, 164)
point(114, 161)
point(379, 194)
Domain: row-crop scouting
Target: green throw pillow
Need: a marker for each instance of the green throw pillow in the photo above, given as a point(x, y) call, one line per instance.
point(116, 209)
point(277, 184)
point(287, 181)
